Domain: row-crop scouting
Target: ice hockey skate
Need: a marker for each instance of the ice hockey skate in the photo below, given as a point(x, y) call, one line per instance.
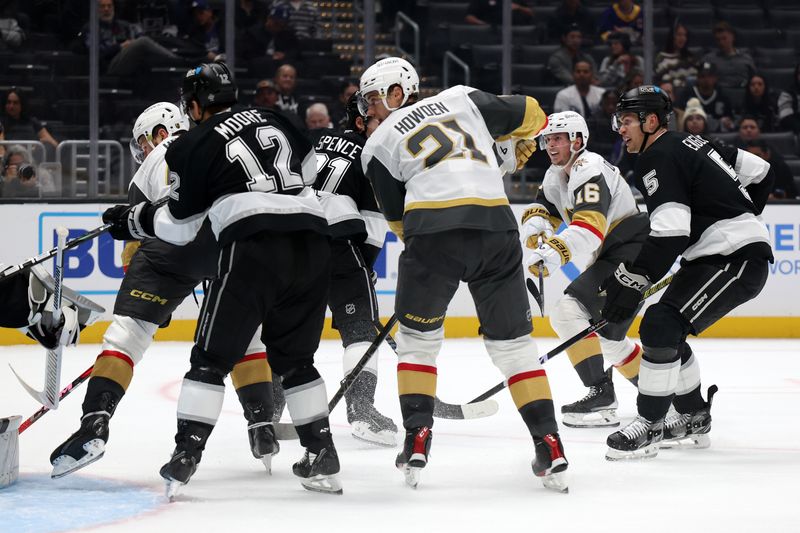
point(597, 409)
point(263, 443)
point(367, 423)
point(638, 440)
point(689, 430)
point(178, 471)
point(550, 463)
point(83, 447)
point(414, 456)
point(318, 471)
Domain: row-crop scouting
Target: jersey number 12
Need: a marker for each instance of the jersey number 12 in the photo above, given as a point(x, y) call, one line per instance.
point(268, 137)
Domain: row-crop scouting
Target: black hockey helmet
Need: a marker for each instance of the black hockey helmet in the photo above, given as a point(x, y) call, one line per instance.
point(354, 109)
point(644, 100)
point(209, 84)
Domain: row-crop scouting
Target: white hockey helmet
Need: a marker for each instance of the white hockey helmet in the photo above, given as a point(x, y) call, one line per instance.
point(386, 73)
point(164, 114)
point(568, 122)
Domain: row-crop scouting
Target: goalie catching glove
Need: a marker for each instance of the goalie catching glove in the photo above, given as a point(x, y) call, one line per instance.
point(549, 257)
point(41, 325)
point(131, 223)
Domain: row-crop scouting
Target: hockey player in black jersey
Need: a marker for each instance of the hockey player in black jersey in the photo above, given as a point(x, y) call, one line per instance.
point(249, 173)
point(703, 203)
point(167, 274)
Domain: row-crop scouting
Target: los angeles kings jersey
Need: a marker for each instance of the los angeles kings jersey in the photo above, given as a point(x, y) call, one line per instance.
point(247, 171)
point(433, 166)
point(594, 201)
point(697, 205)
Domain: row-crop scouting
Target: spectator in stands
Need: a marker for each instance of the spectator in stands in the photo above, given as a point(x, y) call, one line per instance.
point(633, 79)
point(338, 109)
point(285, 81)
point(676, 63)
point(713, 99)
point(783, 185)
point(760, 103)
point(562, 61)
point(273, 40)
point(624, 16)
point(2, 138)
point(19, 179)
point(317, 117)
point(266, 94)
point(748, 131)
point(788, 105)
point(250, 14)
point(303, 18)
point(581, 97)
point(694, 118)
point(19, 126)
point(11, 34)
point(206, 30)
point(674, 124)
point(618, 64)
point(571, 12)
point(600, 131)
point(734, 66)
point(483, 12)
point(123, 49)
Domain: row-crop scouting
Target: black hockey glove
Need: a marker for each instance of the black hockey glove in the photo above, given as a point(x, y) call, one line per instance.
point(131, 223)
point(623, 293)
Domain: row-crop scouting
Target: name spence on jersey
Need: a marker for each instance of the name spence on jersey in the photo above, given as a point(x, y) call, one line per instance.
point(237, 122)
point(410, 121)
point(340, 145)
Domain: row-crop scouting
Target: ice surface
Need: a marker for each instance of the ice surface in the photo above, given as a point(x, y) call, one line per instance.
point(478, 479)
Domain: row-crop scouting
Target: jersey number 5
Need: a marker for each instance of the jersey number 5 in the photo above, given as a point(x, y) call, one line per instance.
point(258, 179)
point(446, 146)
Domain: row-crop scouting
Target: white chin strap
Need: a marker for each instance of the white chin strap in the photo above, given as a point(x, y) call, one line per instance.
point(572, 157)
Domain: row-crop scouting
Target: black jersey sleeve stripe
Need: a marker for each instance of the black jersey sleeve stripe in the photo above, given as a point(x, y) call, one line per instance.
point(389, 192)
point(136, 195)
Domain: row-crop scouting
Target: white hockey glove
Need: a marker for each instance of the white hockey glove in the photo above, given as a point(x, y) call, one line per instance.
point(41, 325)
point(536, 225)
point(548, 257)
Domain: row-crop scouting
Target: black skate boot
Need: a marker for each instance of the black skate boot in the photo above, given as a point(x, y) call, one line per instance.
point(550, 462)
point(263, 443)
point(319, 470)
point(190, 442)
point(597, 409)
point(83, 447)
point(414, 456)
point(689, 430)
point(368, 424)
point(638, 440)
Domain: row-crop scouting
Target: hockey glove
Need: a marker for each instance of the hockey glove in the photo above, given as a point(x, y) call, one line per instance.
point(550, 256)
point(536, 225)
point(623, 293)
point(524, 150)
point(131, 223)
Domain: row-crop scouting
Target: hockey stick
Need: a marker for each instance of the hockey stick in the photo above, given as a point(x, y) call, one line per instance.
point(572, 340)
point(536, 293)
point(453, 411)
point(41, 258)
point(49, 396)
point(64, 392)
point(286, 431)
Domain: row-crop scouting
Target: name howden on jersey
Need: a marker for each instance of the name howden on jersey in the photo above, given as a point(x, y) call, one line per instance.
point(417, 115)
point(235, 123)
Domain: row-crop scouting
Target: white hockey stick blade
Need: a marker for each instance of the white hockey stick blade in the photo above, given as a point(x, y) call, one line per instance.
point(52, 379)
point(39, 396)
point(480, 409)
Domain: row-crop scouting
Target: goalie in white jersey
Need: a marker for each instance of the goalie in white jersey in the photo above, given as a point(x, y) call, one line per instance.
point(439, 184)
point(603, 224)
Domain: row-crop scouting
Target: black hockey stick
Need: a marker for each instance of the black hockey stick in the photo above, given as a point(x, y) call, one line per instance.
point(41, 258)
point(537, 294)
point(600, 324)
point(452, 411)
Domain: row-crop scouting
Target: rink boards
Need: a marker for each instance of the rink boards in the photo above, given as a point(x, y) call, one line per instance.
point(94, 268)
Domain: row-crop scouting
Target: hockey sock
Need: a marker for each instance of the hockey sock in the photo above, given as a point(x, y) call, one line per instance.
point(658, 378)
point(199, 406)
point(629, 367)
point(307, 401)
point(534, 401)
point(416, 385)
point(112, 373)
point(252, 378)
point(688, 397)
point(587, 357)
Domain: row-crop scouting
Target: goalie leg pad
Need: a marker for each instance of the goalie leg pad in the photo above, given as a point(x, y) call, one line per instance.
point(9, 450)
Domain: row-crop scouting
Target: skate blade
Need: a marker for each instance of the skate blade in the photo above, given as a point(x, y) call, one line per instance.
point(598, 419)
point(64, 464)
point(326, 484)
point(385, 438)
point(689, 442)
point(556, 481)
point(648, 452)
point(173, 489)
point(267, 461)
point(413, 474)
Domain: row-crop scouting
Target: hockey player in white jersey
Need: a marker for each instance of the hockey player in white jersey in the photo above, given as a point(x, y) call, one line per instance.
point(605, 227)
point(440, 187)
point(158, 277)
